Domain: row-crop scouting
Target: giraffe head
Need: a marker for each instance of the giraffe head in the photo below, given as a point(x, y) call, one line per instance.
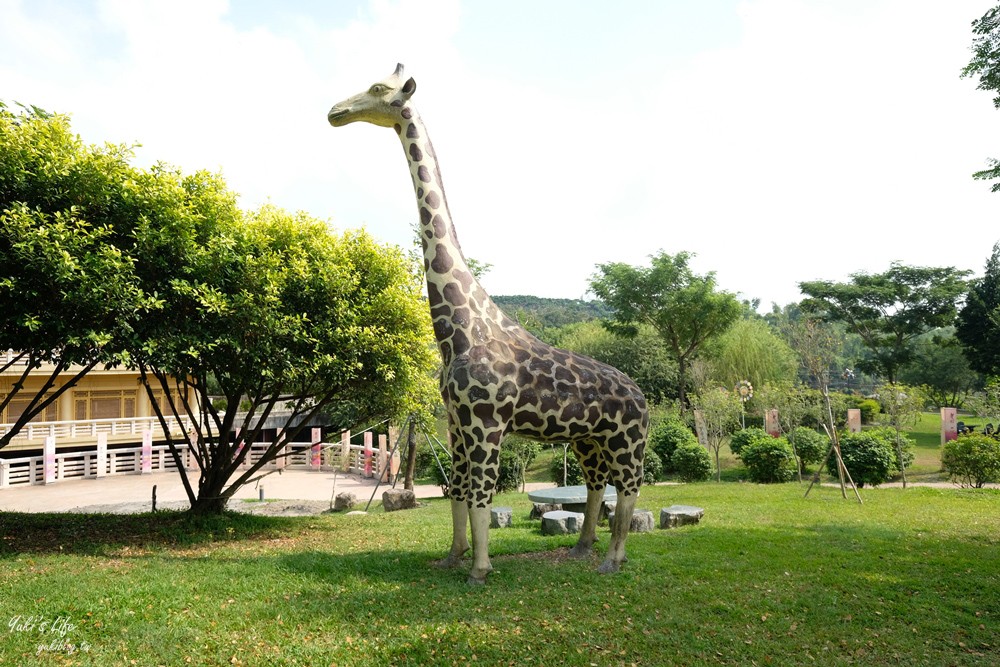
point(381, 104)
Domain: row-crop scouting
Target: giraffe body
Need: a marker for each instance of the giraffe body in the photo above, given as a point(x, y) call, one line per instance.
point(497, 378)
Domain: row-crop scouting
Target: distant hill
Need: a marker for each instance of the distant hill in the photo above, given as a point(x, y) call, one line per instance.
point(536, 311)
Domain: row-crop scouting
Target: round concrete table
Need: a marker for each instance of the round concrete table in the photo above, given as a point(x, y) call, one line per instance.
point(572, 498)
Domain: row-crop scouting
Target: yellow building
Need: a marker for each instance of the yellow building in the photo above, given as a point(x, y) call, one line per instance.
point(103, 401)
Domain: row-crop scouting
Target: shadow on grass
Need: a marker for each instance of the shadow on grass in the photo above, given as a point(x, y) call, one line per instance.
point(96, 534)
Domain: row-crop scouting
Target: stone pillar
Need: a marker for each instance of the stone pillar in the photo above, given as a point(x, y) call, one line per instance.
point(316, 450)
point(49, 460)
point(146, 466)
point(771, 424)
point(369, 453)
point(345, 451)
point(101, 464)
point(383, 456)
point(853, 420)
point(949, 424)
point(700, 428)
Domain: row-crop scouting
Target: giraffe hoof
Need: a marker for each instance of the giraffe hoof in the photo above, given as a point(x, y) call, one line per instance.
point(609, 567)
point(448, 562)
point(581, 551)
point(475, 581)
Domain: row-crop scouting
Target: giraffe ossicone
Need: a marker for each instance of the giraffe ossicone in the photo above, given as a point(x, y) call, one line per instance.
point(497, 378)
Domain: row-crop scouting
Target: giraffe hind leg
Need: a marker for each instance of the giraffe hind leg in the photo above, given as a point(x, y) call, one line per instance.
point(619, 531)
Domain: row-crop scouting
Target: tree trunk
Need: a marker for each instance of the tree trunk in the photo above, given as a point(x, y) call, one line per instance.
point(205, 505)
point(411, 455)
point(212, 496)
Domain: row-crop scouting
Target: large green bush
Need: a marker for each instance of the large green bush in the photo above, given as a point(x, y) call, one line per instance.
point(652, 467)
point(810, 445)
point(746, 437)
point(870, 456)
point(869, 407)
point(692, 462)
point(665, 436)
point(515, 455)
point(972, 460)
point(769, 461)
point(574, 473)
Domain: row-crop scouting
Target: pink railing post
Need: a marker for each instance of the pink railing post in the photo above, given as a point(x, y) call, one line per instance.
point(383, 456)
point(345, 451)
point(49, 460)
point(146, 465)
point(101, 463)
point(368, 453)
point(316, 451)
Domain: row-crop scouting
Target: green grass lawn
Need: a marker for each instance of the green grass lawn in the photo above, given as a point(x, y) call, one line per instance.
point(768, 577)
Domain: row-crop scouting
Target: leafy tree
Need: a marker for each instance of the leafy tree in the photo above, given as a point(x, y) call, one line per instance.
point(941, 368)
point(978, 324)
point(987, 403)
point(643, 357)
point(889, 310)
point(685, 309)
point(985, 63)
point(720, 411)
point(551, 313)
point(749, 350)
point(68, 289)
point(281, 312)
point(901, 408)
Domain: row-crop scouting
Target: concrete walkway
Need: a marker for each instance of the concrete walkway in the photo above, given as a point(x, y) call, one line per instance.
point(288, 485)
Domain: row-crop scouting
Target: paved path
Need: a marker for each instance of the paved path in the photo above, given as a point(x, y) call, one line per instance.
point(288, 485)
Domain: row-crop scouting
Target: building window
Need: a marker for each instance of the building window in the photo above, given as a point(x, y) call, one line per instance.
point(117, 404)
point(17, 407)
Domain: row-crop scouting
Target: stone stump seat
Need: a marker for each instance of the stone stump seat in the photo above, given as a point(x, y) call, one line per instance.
point(501, 517)
point(680, 515)
point(641, 521)
point(561, 522)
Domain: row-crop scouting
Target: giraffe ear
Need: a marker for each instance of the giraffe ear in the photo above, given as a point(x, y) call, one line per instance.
point(409, 88)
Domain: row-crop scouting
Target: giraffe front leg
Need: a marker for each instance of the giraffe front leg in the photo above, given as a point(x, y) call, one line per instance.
point(595, 472)
point(481, 566)
point(588, 533)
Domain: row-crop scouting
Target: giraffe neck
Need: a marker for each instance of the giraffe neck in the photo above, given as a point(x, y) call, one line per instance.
point(458, 303)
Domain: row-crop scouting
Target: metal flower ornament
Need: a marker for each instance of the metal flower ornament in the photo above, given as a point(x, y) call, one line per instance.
point(745, 391)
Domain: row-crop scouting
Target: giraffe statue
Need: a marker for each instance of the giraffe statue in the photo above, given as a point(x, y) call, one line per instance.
point(497, 378)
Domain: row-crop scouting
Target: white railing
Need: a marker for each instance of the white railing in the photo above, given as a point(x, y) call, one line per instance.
point(86, 428)
point(83, 465)
point(30, 470)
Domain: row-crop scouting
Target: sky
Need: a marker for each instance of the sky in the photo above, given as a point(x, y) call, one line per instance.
point(779, 141)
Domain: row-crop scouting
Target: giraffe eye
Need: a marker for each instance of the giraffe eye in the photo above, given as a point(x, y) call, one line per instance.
point(378, 89)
